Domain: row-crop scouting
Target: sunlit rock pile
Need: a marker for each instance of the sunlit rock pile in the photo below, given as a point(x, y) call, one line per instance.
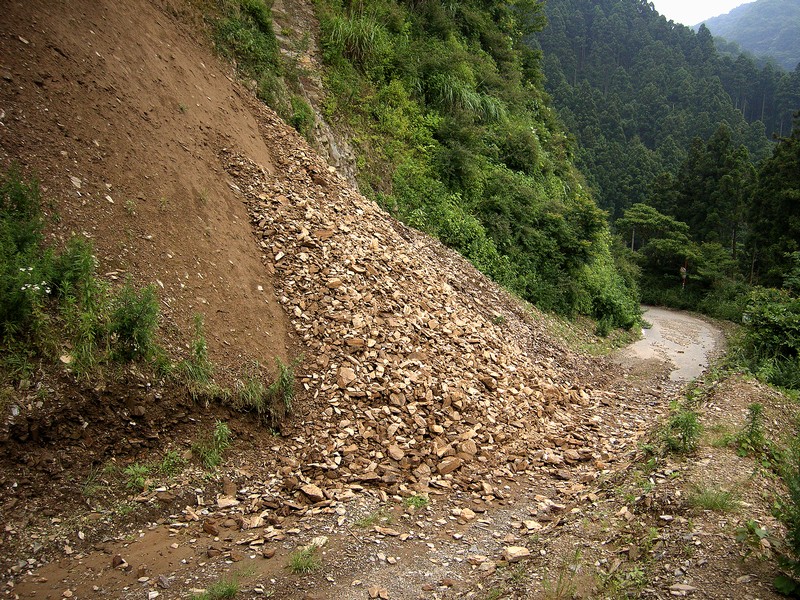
point(418, 370)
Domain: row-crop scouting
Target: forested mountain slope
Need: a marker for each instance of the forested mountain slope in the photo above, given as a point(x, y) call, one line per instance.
point(455, 136)
point(636, 89)
point(767, 28)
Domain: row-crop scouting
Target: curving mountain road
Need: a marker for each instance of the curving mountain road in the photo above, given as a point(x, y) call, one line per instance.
point(685, 344)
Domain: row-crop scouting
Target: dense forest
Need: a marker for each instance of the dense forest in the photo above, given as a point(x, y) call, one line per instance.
point(769, 29)
point(456, 137)
point(694, 155)
point(636, 89)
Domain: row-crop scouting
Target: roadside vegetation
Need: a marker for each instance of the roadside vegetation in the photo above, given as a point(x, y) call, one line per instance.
point(454, 136)
point(55, 310)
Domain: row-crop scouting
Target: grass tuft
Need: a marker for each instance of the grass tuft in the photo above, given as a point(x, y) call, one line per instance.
point(714, 499)
point(304, 560)
point(221, 590)
point(210, 449)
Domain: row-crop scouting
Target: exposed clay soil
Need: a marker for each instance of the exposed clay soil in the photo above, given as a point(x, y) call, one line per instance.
point(145, 144)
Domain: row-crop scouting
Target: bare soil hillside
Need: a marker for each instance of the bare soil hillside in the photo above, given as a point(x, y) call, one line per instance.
point(442, 444)
point(122, 112)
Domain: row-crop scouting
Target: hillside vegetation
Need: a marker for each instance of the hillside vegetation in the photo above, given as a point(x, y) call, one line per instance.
point(455, 136)
point(636, 89)
point(770, 29)
point(458, 139)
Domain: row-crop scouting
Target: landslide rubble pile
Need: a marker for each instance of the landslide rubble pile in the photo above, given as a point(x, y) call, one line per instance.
point(418, 370)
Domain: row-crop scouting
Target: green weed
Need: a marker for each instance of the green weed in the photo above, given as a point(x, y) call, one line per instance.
point(210, 449)
point(714, 499)
point(271, 403)
point(171, 464)
point(378, 516)
point(92, 483)
point(304, 560)
point(137, 475)
point(197, 369)
point(683, 432)
point(221, 590)
point(564, 585)
point(416, 501)
point(751, 441)
point(134, 319)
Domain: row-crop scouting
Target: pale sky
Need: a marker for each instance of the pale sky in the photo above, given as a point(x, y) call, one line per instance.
point(692, 12)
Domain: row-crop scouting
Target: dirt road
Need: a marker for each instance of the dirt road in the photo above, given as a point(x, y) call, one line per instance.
point(685, 343)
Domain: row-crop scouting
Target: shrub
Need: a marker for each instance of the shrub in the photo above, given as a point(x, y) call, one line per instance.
point(245, 34)
point(302, 118)
point(24, 267)
point(134, 319)
point(788, 511)
point(683, 432)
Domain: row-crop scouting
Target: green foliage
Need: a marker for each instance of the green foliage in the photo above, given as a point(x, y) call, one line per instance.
point(220, 590)
point(51, 301)
point(775, 212)
point(302, 118)
point(197, 369)
point(416, 501)
point(134, 319)
point(683, 432)
point(756, 539)
point(209, 450)
point(361, 39)
point(137, 475)
point(455, 137)
point(304, 560)
point(171, 464)
point(714, 499)
point(751, 440)
point(244, 33)
point(271, 403)
point(771, 345)
point(788, 511)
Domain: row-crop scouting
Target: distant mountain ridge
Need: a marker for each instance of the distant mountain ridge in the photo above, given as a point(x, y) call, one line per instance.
point(764, 28)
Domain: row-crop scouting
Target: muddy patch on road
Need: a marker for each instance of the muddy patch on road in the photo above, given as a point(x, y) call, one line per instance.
point(679, 343)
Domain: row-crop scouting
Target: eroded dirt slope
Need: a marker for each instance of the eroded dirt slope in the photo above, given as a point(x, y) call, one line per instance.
point(121, 111)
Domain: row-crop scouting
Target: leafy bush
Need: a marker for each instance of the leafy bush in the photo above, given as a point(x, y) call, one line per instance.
point(302, 118)
point(771, 344)
point(134, 319)
point(245, 34)
point(50, 300)
point(25, 268)
point(788, 511)
point(683, 432)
